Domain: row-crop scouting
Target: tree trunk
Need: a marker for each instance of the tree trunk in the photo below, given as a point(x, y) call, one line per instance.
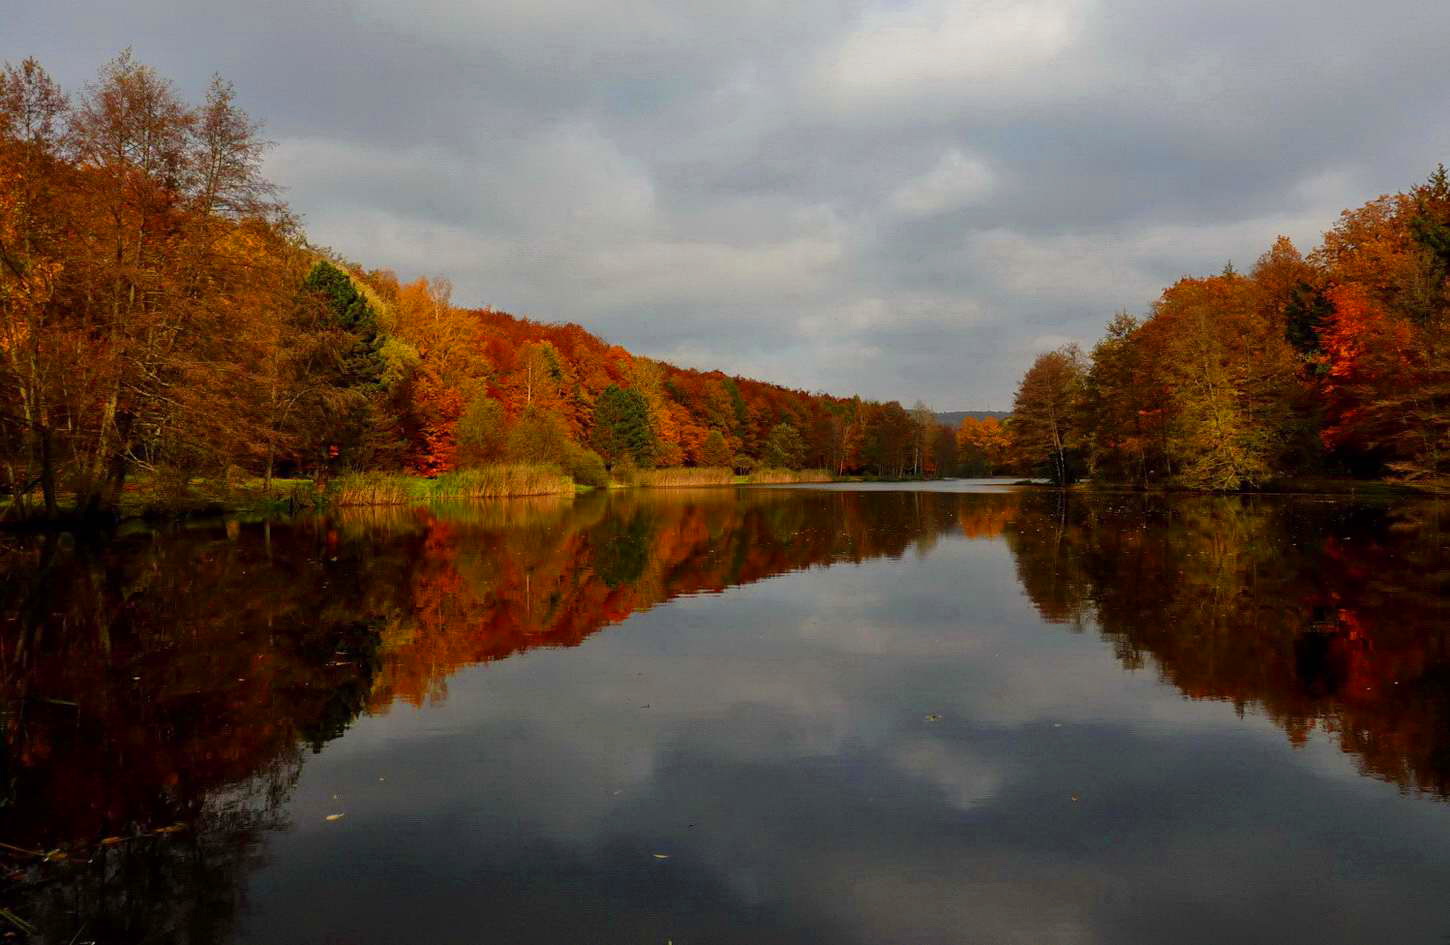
point(47, 473)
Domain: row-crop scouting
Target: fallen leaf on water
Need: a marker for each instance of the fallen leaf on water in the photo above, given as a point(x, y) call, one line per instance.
point(332, 817)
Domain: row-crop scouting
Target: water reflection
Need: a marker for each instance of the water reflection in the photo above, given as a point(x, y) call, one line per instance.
point(182, 678)
point(1317, 613)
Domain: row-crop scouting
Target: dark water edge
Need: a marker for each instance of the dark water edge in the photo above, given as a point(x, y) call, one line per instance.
point(861, 713)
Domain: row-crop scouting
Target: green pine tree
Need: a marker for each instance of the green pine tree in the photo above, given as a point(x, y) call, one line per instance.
point(621, 428)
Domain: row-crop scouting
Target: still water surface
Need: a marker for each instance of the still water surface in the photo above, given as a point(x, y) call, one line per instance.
point(768, 715)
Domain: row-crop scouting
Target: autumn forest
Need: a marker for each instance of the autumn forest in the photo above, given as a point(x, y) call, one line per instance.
point(1332, 364)
point(164, 318)
point(162, 314)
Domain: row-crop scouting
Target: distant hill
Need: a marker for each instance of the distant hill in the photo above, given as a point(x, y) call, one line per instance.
point(953, 418)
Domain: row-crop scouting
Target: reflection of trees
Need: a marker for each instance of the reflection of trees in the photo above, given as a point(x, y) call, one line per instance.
point(179, 677)
point(482, 590)
point(166, 680)
point(176, 888)
point(1319, 614)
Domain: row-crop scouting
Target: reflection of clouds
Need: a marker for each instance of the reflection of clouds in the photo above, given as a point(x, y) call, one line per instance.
point(939, 906)
point(802, 665)
point(785, 766)
point(964, 780)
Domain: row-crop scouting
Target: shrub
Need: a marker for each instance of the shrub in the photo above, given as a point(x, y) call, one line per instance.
point(715, 451)
point(537, 438)
point(585, 466)
point(482, 431)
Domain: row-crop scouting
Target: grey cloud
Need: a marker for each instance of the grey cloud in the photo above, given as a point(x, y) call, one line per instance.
point(898, 199)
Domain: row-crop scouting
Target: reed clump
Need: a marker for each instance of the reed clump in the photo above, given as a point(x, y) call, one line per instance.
point(683, 477)
point(779, 476)
point(486, 482)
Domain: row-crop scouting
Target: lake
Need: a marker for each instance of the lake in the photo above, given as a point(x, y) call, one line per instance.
point(945, 713)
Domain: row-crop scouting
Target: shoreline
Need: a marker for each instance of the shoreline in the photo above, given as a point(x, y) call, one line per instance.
point(146, 500)
point(143, 501)
point(1350, 488)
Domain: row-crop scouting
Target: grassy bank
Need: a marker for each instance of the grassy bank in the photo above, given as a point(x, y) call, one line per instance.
point(490, 482)
point(170, 497)
point(155, 497)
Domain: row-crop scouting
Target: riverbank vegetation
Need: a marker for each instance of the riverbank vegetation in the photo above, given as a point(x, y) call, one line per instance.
point(164, 317)
point(1334, 364)
point(724, 476)
point(493, 482)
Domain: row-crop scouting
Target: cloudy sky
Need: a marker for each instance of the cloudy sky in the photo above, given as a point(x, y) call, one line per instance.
point(901, 199)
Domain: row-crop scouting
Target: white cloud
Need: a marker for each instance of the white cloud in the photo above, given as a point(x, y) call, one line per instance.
point(927, 48)
point(955, 182)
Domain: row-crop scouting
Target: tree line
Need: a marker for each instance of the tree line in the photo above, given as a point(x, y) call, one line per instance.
point(162, 311)
point(1335, 363)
